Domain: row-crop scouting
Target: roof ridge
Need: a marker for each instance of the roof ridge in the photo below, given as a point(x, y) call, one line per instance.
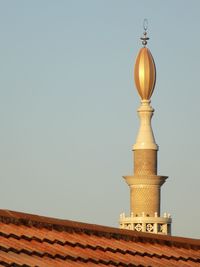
point(19, 218)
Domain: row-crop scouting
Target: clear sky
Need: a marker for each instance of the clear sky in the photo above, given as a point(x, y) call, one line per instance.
point(68, 106)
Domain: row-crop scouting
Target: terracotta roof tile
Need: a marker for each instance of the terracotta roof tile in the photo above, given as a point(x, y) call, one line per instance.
point(31, 240)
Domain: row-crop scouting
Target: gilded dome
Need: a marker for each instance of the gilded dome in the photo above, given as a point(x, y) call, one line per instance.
point(145, 73)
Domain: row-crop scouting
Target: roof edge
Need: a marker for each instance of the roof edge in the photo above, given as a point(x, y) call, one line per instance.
point(20, 218)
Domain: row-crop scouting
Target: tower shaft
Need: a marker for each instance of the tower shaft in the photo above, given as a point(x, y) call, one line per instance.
point(145, 184)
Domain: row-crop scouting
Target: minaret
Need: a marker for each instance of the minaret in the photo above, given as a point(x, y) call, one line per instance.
point(145, 184)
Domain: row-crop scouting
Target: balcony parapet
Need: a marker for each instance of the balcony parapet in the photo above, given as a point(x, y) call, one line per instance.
point(157, 225)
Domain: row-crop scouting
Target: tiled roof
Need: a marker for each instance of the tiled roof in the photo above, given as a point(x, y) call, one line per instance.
point(31, 240)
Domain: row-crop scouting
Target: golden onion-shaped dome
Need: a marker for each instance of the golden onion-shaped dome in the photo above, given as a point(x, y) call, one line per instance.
point(145, 73)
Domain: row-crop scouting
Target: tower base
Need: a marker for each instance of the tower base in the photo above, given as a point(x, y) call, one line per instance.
point(156, 225)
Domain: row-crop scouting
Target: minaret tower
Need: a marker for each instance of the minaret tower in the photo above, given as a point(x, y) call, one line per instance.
point(145, 184)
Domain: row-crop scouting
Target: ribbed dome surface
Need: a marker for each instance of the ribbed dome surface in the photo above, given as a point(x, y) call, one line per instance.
point(145, 73)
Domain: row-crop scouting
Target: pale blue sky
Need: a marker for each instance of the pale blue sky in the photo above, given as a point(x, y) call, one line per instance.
point(68, 106)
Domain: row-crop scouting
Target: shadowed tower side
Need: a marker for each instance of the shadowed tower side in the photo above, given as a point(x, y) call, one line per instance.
point(145, 184)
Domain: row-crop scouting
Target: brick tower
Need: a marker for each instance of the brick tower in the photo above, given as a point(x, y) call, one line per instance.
point(145, 184)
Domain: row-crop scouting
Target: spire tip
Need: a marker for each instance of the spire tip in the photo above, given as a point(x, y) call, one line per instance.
point(144, 38)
